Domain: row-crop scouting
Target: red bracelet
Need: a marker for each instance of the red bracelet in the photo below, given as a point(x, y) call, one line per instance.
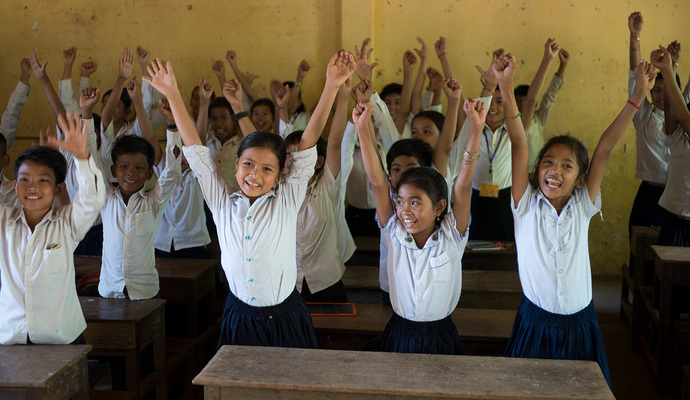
point(442, 54)
point(633, 104)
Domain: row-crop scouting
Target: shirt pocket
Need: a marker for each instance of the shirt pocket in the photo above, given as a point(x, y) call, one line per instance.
point(144, 223)
point(53, 263)
point(440, 268)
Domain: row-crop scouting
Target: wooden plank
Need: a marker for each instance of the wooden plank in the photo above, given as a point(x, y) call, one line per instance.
point(309, 374)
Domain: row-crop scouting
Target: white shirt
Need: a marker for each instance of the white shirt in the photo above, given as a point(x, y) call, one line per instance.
point(425, 283)
point(150, 97)
point(676, 197)
point(129, 232)
point(183, 223)
point(553, 250)
point(10, 118)
point(496, 145)
point(300, 120)
point(8, 195)
point(66, 93)
point(357, 186)
point(224, 155)
point(317, 234)
point(385, 125)
point(535, 133)
point(257, 253)
point(38, 296)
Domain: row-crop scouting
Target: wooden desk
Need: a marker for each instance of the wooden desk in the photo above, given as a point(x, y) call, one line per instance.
point(124, 328)
point(240, 372)
point(636, 274)
point(489, 328)
point(44, 372)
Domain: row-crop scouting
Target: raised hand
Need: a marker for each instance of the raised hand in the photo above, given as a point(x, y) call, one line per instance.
point(435, 79)
point(645, 76)
point(674, 49)
point(133, 89)
point(564, 56)
point(75, 136)
point(205, 91)
point(660, 58)
point(363, 69)
point(551, 48)
point(126, 65)
point(363, 91)
point(340, 67)
point(497, 54)
point(504, 68)
point(302, 70)
point(69, 55)
point(409, 61)
point(421, 52)
point(441, 46)
point(232, 91)
point(635, 24)
point(250, 77)
point(38, 68)
point(25, 66)
point(162, 77)
point(166, 112)
point(361, 114)
point(218, 68)
point(231, 56)
point(488, 78)
point(475, 111)
point(452, 88)
point(89, 98)
point(143, 56)
point(280, 93)
point(87, 68)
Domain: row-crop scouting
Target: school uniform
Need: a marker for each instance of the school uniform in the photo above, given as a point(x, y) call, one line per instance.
point(10, 117)
point(300, 120)
point(258, 254)
point(224, 155)
point(150, 97)
point(318, 266)
point(38, 298)
point(129, 233)
point(183, 222)
point(535, 132)
point(8, 196)
point(675, 230)
point(66, 93)
point(556, 318)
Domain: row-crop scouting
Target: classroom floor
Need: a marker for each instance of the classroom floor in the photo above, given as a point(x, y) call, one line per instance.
point(630, 375)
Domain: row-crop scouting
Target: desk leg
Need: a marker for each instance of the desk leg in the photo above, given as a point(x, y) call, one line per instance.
point(211, 393)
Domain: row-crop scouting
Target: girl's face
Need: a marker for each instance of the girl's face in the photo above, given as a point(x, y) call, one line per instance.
point(425, 129)
point(417, 212)
point(399, 165)
point(262, 118)
point(257, 171)
point(393, 101)
point(494, 117)
point(559, 174)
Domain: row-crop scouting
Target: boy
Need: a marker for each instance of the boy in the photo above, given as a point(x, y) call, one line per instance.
point(38, 296)
point(131, 216)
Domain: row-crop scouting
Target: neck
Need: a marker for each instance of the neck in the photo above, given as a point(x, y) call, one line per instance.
point(34, 217)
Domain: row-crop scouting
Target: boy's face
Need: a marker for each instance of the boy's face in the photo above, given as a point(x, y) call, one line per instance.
point(36, 187)
point(262, 118)
point(426, 130)
point(131, 172)
point(399, 165)
point(393, 102)
point(221, 123)
point(520, 100)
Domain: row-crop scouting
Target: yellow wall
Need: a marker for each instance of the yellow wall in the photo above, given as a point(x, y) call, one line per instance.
point(271, 37)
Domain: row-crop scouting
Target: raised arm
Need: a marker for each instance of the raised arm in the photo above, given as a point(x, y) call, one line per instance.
point(504, 68)
point(670, 120)
point(416, 102)
point(125, 67)
point(205, 92)
point(462, 190)
point(409, 63)
point(88, 98)
point(233, 94)
point(9, 124)
point(281, 98)
point(52, 96)
point(231, 56)
point(635, 24)
point(302, 70)
point(218, 68)
point(453, 91)
point(362, 67)
point(435, 82)
point(68, 57)
point(361, 116)
point(661, 59)
point(551, 49)
point(335, 136)
point(134, 91)
point(644, 82)
point(340, 67)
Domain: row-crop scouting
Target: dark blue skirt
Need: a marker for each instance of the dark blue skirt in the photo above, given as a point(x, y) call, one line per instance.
point(540, 334)
point(646, 210)
point(432, 337)
point(287, 324)
point(675, 231)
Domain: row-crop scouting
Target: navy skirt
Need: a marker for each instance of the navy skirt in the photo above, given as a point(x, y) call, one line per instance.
point(646, 210)
point(492, 218)
point(431, 337)
point(540, 334)
point(675, 231)
point(287, 324)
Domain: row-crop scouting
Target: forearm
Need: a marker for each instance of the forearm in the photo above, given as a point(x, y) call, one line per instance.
point(676, 102)
point(447, 68)
point(146, 128)
point(202, 120)
point(246, 85)
point(113, 99)
point(445, 142)
point(184, 122)
point(67, 70)
point(416, 102)
point(319, 117)
point(335, 136)
point(405, 97)
point(53, 98)
point(535, 87)
point(634, 51)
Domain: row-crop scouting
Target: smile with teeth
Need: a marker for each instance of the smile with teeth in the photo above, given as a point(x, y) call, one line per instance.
point(129, 181)
point(253, 185)
point(34, 197)
point(553, 183)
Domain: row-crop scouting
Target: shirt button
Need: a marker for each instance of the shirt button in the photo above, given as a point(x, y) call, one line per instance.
point(253, 298)
point(174, 225)
point(251, 280)
point(249, 217)
point(247, 237)
point(249, 259)
point(560, 271)
point(558, 249)
point(562, 294)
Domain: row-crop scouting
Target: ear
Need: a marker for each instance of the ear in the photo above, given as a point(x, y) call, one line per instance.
point(61, 187)
point(112, 169)
point(237, 162)
point(320, 160)
point(580, 181)
point(149, 174)
point(440, 206)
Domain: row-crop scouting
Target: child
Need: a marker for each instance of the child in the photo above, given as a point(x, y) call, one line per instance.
point(422, 239)
point(675, 230)
point(258, 223)
point(38, 296)
point(556, 318)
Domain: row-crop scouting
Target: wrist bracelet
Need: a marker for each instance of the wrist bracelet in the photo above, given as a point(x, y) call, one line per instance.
point(280, 108)
point(170, 127)
point(633, 104)
point(518, 116)
point(442, 54)
point(298, 83)
point(466, 154)
point(493, 92)
point(240, 115)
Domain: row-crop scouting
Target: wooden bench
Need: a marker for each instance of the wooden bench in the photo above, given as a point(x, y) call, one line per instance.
point(480, 289)
point(247, 372)
point(482, 331)
point(638, 273)
point(125, 328)
point(44, 372)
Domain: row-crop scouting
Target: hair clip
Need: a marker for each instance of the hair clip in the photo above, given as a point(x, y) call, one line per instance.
point(435, 237)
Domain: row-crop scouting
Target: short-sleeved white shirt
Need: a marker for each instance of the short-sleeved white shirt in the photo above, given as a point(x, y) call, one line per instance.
point(676, 197)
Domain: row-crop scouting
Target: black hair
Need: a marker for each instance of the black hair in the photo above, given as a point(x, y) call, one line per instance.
point(321, 146)
point(124, 97)
point(220, 102)
point(660, 77)
point(521, 90)
point(416, 148)
point(3, 145)
point(301, 108)
point(130, 144)
point(436, 117)
point(267, 140)
point(391, 88)
point(47, 156)
point(96, 123)
point(264, 102)
point(430, 181)
point(579, 151)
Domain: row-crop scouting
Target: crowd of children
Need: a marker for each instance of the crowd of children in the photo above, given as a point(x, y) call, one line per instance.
point(255, 173)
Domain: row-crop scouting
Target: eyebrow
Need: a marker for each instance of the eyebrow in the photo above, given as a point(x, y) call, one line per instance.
point(255, 162)
point(411, 197)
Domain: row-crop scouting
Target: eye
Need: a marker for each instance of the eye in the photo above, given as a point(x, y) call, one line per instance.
point(398, 202)
point(546, 162)
point(43, 180)
point(268, 169)
point(568, 166)
point(415, 202)
point(395, 169)
point(247, 163)
point(23, 180)
point(140, 168)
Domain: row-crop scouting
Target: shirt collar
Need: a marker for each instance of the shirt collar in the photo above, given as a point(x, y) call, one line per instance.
point(406, 239)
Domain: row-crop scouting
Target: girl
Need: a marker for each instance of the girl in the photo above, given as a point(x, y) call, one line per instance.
point(422, 239)
point(556, 318)
point(257, 224)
